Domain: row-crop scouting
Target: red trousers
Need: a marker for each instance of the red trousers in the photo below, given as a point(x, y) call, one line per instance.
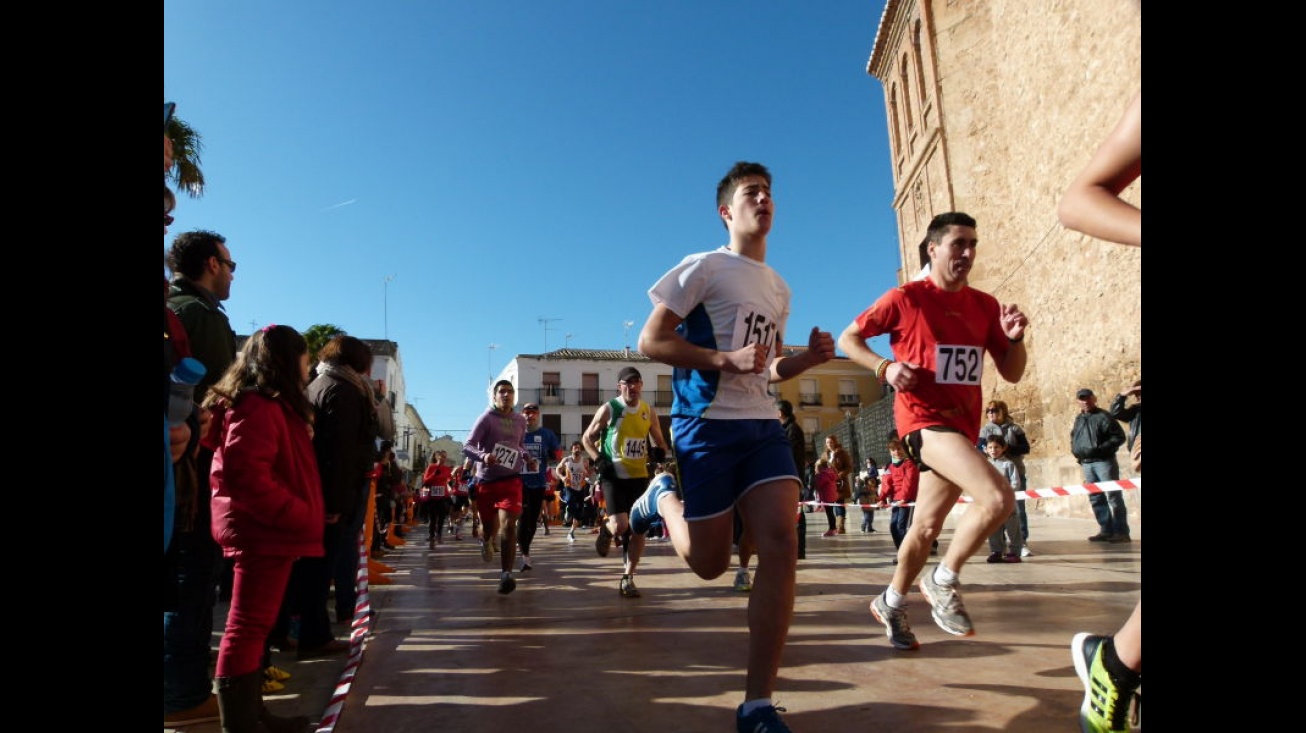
point(257, 589)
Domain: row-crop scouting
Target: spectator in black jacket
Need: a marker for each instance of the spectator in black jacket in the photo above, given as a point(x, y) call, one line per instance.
point(1132, 414)
point(1094, 440)
point(344, 439)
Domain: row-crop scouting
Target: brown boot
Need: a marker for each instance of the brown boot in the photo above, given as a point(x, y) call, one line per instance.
point(838, 523)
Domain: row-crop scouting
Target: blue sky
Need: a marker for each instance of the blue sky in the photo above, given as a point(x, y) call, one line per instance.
point(502, 162)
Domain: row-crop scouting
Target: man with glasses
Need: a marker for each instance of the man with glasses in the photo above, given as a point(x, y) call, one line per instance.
point(617, 441)
point(201, 279)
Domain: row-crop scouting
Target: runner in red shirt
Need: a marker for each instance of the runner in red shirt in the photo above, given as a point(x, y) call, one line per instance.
point(939, 329)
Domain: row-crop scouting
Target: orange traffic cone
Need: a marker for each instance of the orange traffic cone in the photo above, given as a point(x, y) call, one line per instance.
point(375, 570)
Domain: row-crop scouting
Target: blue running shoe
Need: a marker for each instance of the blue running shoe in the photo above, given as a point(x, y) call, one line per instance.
point(645, 509)
point(762, 720)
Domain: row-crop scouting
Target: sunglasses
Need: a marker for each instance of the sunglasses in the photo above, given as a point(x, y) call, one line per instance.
point(228, 263)
point(993, 409)
point(167, 220)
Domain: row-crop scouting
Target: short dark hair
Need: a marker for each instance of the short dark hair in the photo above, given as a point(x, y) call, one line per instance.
point(940, 223)
point(190, 252)
point(786, 408)
point(998, 439)
point(725, 190)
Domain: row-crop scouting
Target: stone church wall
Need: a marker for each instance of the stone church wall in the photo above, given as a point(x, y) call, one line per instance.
point(1017, 96)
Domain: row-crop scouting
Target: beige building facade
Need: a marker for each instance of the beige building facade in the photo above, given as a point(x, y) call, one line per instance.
point(993, 107)
point(570, 384)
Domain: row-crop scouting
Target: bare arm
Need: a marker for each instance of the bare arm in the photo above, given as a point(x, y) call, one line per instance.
point(589, 439)
point(1013, 323)
point(820, 349)
point(658, 340)
point(855, 347)
point(900, 374)
point(655, 430)
point(1092, 203)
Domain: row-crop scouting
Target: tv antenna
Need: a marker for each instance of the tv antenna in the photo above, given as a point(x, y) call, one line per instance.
point(545, 323)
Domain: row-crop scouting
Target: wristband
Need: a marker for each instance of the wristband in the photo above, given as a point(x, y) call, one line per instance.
point(882, 369)
point(1016, 341)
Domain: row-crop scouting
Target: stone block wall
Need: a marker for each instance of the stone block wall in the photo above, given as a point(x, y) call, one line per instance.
point(1021, 94)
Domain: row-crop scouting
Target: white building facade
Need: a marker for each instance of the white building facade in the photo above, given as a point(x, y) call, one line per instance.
point(570, 384)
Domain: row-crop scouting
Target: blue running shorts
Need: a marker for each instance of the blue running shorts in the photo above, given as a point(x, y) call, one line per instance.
point(721, 460)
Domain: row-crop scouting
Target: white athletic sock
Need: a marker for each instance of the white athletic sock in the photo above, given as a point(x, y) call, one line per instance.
point(894, 598)
point(944, 576)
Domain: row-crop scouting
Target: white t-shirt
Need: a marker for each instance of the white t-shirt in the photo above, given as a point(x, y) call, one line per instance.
point(727, 301)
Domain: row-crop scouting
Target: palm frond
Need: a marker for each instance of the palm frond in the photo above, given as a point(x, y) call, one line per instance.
point(186, 175)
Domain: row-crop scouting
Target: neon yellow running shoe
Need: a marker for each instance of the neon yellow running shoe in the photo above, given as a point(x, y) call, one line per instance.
point(1106, 700)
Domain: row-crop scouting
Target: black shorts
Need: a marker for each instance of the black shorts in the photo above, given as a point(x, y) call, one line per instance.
point(912, 443)
point(620, 494)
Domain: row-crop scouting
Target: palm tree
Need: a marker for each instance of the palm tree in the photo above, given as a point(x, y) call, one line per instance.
point(186, 147)
point(317, 336)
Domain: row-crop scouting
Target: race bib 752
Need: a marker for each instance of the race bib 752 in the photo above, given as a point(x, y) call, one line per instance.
point(958, 364)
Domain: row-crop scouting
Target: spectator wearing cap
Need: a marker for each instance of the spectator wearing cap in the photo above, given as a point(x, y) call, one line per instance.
point(1094, 440)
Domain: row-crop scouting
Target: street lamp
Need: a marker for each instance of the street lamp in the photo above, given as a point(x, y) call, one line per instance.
point(627, 324)
point(489, 375)
point(568, 346)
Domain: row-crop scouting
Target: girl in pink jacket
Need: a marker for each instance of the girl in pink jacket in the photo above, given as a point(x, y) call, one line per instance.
point(267, 506)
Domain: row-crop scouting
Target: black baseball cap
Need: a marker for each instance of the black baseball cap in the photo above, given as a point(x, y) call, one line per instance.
point(1084, 393)
point(628, 374)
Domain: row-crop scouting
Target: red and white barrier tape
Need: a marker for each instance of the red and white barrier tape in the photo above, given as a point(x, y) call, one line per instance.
point(1081, 490)
point(357, 632)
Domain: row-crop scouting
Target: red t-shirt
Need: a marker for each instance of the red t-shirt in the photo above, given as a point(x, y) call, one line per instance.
point(946, 334)
point(436, 478)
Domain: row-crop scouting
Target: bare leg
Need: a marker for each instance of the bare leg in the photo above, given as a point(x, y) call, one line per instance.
point(704, 545)
point(955, 465)
point(635, 545)
point(766, 514)
point(747, 548)
point(1129, 640)
point(508, 541)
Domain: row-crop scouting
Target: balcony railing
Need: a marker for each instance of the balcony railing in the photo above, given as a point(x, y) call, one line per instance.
point(849, 400)
point(809, 399)
point(558, 396)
